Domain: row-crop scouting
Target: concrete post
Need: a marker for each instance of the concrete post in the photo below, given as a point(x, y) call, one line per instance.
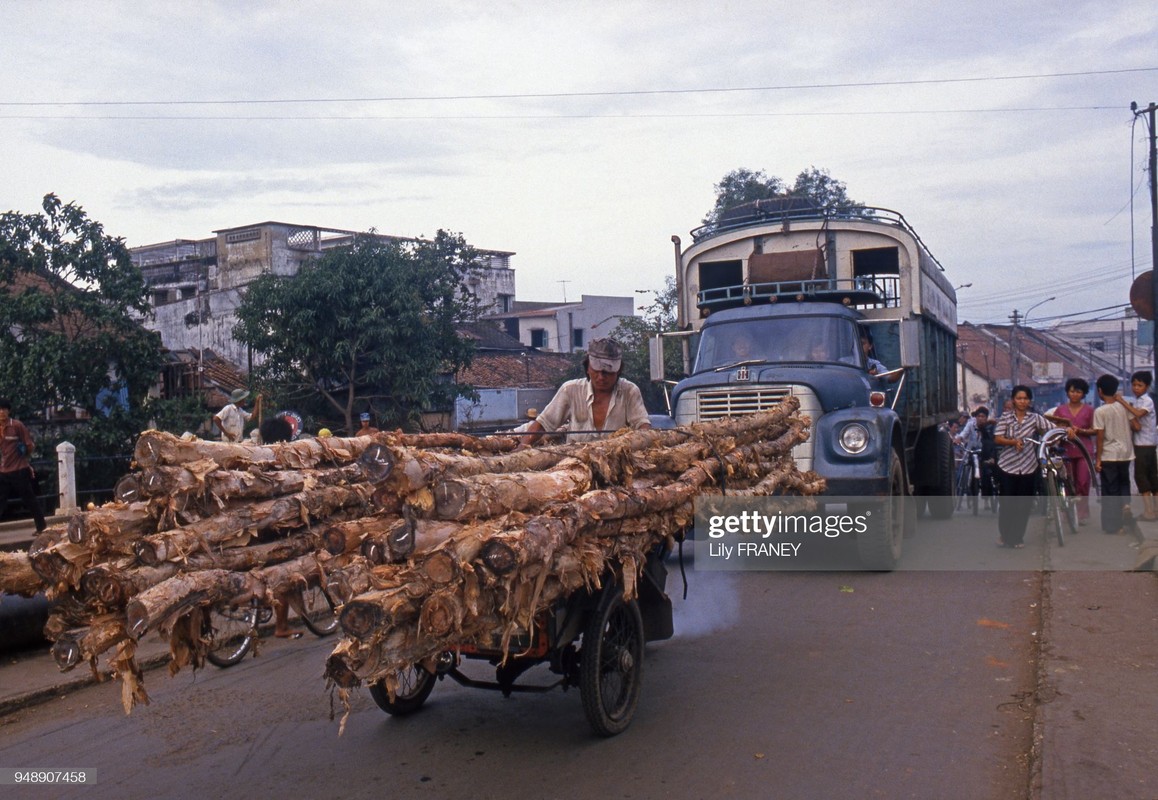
point(66, 476)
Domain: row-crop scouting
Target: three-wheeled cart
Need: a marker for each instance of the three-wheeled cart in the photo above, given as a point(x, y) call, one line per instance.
point(593, 640)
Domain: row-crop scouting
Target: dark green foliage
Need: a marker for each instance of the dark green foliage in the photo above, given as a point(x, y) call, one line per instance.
point(634, 332)
point(371, 326)
point(744, 185)
point(70, 304)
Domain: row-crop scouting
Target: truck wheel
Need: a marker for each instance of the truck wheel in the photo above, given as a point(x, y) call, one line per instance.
point(880, 546)
point(940, 497)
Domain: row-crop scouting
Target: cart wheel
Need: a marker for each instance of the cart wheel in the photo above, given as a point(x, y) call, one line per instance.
point(414, 686)
point(319, 615)
point(611, 664)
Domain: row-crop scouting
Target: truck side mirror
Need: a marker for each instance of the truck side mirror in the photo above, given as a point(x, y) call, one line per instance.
point(910, 343)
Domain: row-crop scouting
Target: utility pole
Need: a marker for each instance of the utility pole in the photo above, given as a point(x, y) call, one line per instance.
point(1149, 112)
point(1015, 317)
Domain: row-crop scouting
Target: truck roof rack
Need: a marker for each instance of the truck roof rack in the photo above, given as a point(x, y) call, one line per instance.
point(859, 292)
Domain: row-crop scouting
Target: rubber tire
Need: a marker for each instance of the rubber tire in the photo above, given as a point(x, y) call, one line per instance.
point(940, 499)
point(1054, 511)
point(234, 629)
point(880, 546)
point(416, 685)
point(319, 616)
point(611, 663)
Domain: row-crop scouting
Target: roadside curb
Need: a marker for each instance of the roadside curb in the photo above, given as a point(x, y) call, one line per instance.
point(64, 686)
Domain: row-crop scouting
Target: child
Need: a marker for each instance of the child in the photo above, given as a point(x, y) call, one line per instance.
point(1115, 451)
point(1145, 443)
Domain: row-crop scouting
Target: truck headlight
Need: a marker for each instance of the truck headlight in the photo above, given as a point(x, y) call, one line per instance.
point(854, 438)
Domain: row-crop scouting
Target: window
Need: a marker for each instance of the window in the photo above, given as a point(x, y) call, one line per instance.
point(577, 339)
point(538, 338)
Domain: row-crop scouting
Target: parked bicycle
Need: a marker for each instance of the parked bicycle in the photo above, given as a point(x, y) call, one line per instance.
point(974, 482)
point(232, 630)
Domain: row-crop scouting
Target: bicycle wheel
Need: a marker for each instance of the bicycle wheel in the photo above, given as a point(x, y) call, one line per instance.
point(974, 493)
point(1054, 512)
point(230, 631)
point(1069, 504)
point(318, 611)
point(962, 484)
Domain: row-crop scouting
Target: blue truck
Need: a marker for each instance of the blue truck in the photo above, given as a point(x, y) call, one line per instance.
point(845, 309)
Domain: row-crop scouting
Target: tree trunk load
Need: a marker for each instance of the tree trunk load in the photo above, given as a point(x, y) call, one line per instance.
point(422, 541)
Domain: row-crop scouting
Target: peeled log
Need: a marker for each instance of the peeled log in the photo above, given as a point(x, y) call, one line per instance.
point(111, 524)
point(86, 644)
point(17, 575)
point(236, 525)
point(347, 536)
point(156, 448)
point(376, 610)
point(491, 495)
point(152, 606)
point(232, 485)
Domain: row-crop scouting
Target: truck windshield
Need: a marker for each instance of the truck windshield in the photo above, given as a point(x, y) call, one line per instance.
point(826, 340)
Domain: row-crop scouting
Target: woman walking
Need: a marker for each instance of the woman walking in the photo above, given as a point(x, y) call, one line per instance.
point(1079, 421)
point(1018, 465)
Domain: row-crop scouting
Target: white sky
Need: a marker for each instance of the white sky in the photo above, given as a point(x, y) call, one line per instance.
point(1020, 186)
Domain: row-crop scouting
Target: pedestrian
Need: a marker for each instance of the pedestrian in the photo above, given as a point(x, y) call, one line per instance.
point(978, 435)
point(367, 429)
point(1145, 442)
point(594, 406)
point(1018, 465)
point(1115, 451)
point(1078, 417)
point(16, 473)
point(231, 419)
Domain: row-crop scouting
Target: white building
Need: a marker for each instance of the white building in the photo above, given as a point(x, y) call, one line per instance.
point(197, 285)
point(565, 327)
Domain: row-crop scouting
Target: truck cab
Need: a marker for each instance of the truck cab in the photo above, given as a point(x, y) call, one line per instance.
point(779, 299)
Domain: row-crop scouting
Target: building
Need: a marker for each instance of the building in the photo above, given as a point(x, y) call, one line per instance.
point(565, 327)
point(509, 377)
point(196, 285)
point(993, 358)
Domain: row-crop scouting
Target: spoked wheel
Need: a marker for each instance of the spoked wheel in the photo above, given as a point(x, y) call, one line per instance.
point(611, 664)
point(414, 686)
point(230, 632)
point(318, 611)
point(974, 494)
point(1067, 506)
point(1055, 514)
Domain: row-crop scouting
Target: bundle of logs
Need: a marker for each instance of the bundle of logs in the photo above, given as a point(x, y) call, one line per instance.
point(423, 541)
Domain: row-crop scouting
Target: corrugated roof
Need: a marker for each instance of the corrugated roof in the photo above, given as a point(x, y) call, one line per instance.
point(528, 370)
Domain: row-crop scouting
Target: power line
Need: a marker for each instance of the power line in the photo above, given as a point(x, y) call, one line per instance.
point(556, 95)
point(485, 117)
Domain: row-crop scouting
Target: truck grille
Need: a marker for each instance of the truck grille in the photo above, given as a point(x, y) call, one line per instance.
point(734, 402)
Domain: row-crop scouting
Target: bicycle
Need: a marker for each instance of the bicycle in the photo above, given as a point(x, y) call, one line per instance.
point(232, 630)
point(972, 477)
point(1060, 496)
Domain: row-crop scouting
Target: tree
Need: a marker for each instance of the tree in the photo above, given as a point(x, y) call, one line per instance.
point(745, 186)
point(370, 325)
point(70, 304)
point(635, 332)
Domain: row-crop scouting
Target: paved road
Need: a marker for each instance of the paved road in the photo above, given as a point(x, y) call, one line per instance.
point(838, 685)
